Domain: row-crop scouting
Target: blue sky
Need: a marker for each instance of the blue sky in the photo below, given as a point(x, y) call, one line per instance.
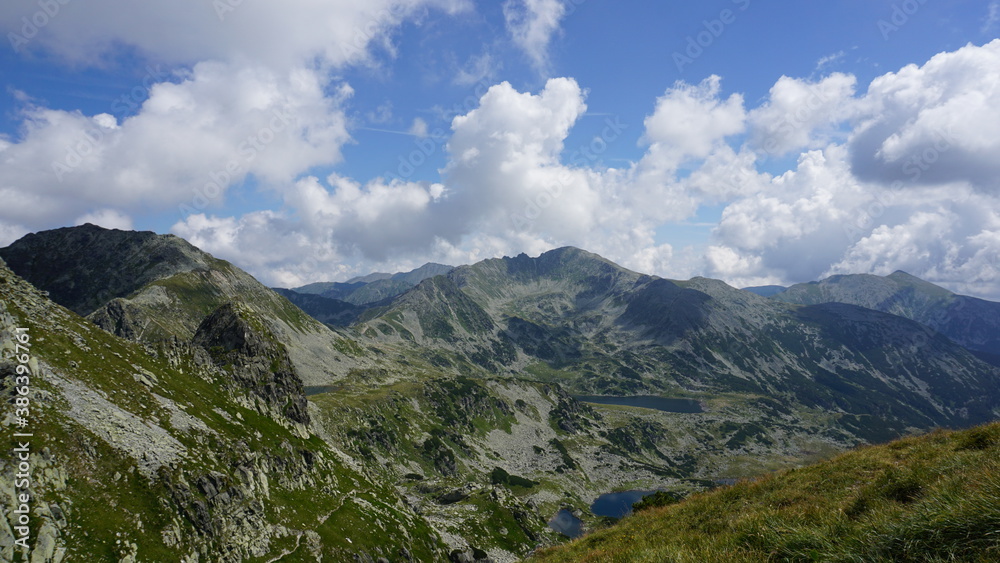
point(749, 141)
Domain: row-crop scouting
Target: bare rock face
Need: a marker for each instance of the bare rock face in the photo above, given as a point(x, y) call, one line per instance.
point(238, 340)
point(120, 318)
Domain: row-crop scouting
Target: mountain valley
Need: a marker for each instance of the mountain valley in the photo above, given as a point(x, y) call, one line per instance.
point(431, 416)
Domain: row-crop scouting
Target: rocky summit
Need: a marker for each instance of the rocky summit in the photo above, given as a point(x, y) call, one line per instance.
point(180, 410)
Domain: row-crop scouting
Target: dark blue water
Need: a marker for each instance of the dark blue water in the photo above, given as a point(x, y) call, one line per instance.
point(646, 402)
point(566, 524)
point(617, 505)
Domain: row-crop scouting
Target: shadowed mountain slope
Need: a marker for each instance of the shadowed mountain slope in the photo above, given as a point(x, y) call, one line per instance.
point(971, 322)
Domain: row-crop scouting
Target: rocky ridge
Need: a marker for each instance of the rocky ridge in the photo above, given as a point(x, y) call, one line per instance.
point(972, 323)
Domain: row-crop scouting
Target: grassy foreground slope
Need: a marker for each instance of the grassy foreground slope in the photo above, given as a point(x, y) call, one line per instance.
point(929, 498)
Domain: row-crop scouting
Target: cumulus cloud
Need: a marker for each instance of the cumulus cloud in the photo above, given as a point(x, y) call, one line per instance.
point(912, 185)
point(502, 154)
point(531, 24)
point(272, 34)
point(935, 123)
point(507, 150)
point(800, 114)
point(511, 185)
point(188, 143)
point(900, 176)
point(795, 227)
point(955, 243)
point(690, 121)
point(248, 91)
point(107, 218)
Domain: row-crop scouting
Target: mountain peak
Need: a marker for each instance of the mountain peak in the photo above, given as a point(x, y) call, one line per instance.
point(86, 266)
point(901, 275)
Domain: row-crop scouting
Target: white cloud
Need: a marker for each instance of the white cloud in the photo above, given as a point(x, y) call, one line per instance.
point(911, 185)
point(187, 144)
point(935, 123)
point(107, 218)
point(828, 60)
point(903, 175)
point(801, 115)
point(725, 175)
point(955, 244)
point(505, 190)
point(506, 151)
point(795, 227)
point(419, 128)
point(203, 128)
point(279, 35)
point(531, 24)
point(691, 121)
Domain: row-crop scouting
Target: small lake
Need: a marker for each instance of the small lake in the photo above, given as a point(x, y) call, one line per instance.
point(566, 524)
point(645, 401)
point(617, 505)
point(320, 389)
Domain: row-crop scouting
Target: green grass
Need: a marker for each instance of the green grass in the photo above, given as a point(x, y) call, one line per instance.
point(106, 499)
point(929, 498)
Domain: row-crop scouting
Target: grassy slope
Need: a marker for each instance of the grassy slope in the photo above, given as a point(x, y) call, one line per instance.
point(347, 510)
point(930, 498)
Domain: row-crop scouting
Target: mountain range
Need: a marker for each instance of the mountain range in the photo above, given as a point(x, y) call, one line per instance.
point(441, 402)
point(364, 290)
point(973, 323)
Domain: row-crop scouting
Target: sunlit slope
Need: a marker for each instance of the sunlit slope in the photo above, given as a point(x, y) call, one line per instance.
point(931, 498)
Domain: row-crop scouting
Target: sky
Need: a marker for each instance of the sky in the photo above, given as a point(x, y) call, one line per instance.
point(754, 142)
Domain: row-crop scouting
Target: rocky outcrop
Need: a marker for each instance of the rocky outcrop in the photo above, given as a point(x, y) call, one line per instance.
point(241, 344)
point(121, 318)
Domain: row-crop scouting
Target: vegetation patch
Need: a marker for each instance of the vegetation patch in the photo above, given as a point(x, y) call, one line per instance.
point(931, 498)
